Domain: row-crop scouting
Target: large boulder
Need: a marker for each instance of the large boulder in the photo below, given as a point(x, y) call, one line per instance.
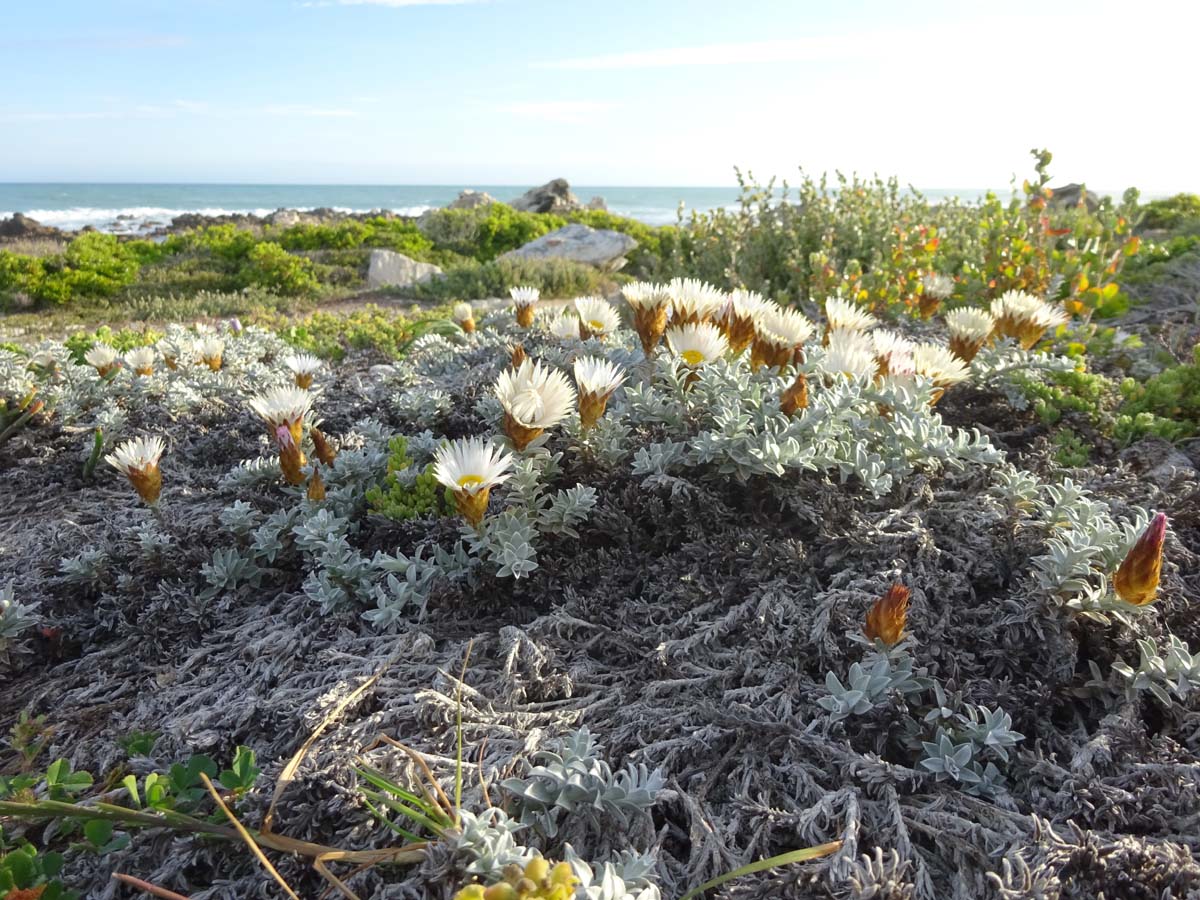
point(20, 225)
point(552, 197)
point(1069, 195)
point(597, 247)
point(469, 199)
point(388, 268)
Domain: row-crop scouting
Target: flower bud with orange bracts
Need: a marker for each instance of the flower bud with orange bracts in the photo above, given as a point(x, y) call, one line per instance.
point(887, 617)
point(1136, 581)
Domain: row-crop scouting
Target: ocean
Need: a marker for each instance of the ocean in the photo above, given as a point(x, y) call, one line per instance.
point(131, 208)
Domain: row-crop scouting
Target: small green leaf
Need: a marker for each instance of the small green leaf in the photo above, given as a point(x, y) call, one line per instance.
point(98, 831)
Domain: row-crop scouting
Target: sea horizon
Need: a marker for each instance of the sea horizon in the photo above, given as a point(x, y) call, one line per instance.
point(134, 207)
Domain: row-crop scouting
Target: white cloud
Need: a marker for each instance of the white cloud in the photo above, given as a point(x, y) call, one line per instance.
point(571, 112)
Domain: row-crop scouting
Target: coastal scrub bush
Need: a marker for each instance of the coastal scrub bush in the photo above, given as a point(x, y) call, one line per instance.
point(373, 328)
point(380, 231)
point(486, 232)
point(93, 265)
point(476, 281)
point(269, 266)
point(1166, 405)
point(1171, 213)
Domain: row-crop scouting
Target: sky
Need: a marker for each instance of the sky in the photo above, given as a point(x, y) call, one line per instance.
point(623, 92)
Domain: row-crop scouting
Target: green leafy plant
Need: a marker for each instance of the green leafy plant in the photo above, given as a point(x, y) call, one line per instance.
point(407, 494)
point(26, 874)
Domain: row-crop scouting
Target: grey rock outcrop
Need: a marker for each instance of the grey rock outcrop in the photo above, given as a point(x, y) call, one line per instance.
point(552, 197)
point(387, 268)
point(469, 199)
point(597, 247)
point(1068, 196)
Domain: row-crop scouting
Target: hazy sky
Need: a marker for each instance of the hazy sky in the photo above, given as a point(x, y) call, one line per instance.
point(676, 92)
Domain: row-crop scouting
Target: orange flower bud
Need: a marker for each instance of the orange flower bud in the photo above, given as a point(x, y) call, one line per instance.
point(886, 619)
point(518, 355)
point(1137, 577)
point(316, 486)
point(321, 447)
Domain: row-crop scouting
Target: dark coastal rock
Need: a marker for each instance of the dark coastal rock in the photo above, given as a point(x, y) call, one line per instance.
point(596, 247)
point(1069, 195)
point(552, 197)
point(19, 225)
point(469, 199)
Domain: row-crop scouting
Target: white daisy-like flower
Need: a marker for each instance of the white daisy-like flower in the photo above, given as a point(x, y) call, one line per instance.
point(139, 453)
point(650, 304)
point(564, 326)
point(779, 336)
point(693, 300)
point(101, 357)
point(534, 398)
point(524, 296)
point(788, 328)
point(850, 353)
point(594, 375)
point(697, 344)
point(597, 380)
point(210, 350)
point(1025, 317)
point(138, 461)
point(464, 316)
point(646, 295)
point(739, 318)
point(285, 406)
point(472, 464)
point(937, 285)
point(471, 467)
point(970, 324)
point(524, 299)
point(283, 409)
point(842, 315)
point(969, 331)
point(596, 316)
point(749, 304)
point(303, 367)
point(939, 365)
point(893, 352)
point(141, 360)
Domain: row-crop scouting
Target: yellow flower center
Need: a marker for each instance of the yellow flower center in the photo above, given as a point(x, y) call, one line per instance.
point(595, 325)
point(467, 480)
point(692, 357)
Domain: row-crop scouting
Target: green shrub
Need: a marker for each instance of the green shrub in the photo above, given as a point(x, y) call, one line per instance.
point(270, 266)
point(1166, 405)
point(1171, 213)
point(398, 500)
point(122, 341)
point(475, 281)
point(330, 335)
point(486, 232)
point(1082, 393)
point(92, 265)
point(1070, 450)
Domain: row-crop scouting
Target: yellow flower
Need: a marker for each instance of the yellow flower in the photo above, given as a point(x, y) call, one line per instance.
point(1137, 577)
point(886, 619)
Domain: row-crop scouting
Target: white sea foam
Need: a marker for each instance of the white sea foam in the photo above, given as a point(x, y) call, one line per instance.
point(141, 218)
